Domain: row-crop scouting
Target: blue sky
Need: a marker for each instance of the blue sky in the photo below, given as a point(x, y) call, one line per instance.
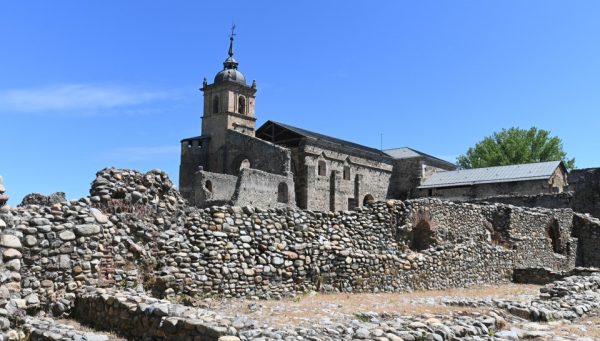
point(85, 85)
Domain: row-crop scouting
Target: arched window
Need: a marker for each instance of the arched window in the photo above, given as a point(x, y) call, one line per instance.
point(244, 164)
point(241, 105)
point(208, 185)
point(282, 193)
point(368, 199)
point(322, 168)
point(215, 108)
point(346, 173)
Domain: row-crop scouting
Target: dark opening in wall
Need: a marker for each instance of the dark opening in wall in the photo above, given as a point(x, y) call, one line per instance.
point(368, 199)
point(322, 169)
point(242, 105)
point(282, 193)
point(346, 173)
point(215, 104)
point(553, 231)
point(422, 237)
point(351, 203)
point(208, 185)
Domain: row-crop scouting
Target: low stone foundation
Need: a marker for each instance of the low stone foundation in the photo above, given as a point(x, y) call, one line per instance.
point(137, 316)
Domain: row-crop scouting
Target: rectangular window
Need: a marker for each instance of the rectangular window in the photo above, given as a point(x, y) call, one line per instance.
point(346, 173)
point(322, 168)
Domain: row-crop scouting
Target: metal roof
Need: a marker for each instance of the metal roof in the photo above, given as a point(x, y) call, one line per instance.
point(403, 153)
point(407, 153)
point(466, 177)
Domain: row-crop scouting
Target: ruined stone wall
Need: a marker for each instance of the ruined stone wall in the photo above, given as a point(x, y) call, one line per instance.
point(155, 241)
point(194, 154)
point(545, 200)
point(134, 315)
point(466, 193)
point(258, 188)
point(250, 187)
point(212, 188)
point(540, 238)
point(12, 304)
point(587, 231)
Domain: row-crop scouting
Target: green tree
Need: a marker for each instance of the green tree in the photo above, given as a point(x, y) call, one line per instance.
point(515, 146)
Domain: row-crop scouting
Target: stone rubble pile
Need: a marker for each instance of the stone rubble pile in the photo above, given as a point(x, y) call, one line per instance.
point(566, 299)
point(3, 196)
point(134, 187)
point(132, 314)
point(47, 329)
point(11, 304)
point(40, 199)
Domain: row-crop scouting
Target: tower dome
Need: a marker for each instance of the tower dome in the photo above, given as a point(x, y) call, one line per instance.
point(230, 73)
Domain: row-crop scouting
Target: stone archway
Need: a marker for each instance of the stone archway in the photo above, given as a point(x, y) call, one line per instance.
point(368, 199)
point(422, 237)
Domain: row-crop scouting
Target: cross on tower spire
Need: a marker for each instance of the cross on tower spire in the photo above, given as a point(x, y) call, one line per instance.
point(231, 40)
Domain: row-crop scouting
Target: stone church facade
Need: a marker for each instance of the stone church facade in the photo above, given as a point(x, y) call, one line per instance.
point(278, 165)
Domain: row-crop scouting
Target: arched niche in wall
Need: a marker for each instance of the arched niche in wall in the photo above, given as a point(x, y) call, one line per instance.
point(422, 237)
point(244, 164)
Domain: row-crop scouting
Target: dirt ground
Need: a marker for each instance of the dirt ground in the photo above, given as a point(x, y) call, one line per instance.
point(314, 308)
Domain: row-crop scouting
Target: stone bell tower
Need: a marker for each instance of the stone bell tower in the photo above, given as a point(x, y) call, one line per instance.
point(228, 102)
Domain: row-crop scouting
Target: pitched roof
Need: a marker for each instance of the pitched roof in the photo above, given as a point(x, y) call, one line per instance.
point(407, 153)
point(466, 177)
point(319, 137)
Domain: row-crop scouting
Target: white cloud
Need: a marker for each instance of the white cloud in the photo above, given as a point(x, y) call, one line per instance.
point(85, 98)
point(142, 153)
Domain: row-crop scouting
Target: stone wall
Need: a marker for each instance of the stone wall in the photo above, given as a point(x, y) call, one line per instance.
point(587, 230)
point(212, 188)
point(258, 188)
point(250, 187)
point(466, 193)
point(260, 154)
point(545, 200)
point(408, 173)
point(152, 240)
point(539, 237)
point(11, 303)
point(134, 315)
point(3, 197)
point(585, 184)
